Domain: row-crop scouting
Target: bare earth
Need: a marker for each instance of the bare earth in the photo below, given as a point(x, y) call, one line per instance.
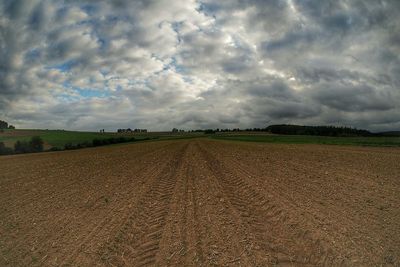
point(201, 202)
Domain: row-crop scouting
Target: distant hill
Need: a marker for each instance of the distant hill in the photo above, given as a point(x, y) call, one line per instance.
point(316, 130)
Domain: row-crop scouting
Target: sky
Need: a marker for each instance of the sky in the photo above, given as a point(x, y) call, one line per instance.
point(90, 65)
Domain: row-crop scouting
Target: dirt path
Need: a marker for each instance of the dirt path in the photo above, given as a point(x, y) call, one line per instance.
point(201, 203)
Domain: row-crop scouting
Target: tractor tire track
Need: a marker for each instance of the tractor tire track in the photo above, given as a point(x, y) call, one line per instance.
point(220, 235)
point(313, 206)
point(63, 226)
point(200, 202)
point(147, 222)
point(265, 220)
point(107, 224)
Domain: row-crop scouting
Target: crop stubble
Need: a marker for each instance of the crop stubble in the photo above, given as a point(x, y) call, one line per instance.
point(201, 202)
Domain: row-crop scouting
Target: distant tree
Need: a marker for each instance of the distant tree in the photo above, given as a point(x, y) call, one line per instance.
point(11, 127)
point(34, 145)
point(316, 130)
point(175, 130)
point(3, 124)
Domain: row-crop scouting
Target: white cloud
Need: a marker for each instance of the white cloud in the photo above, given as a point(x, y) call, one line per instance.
point(192, 64)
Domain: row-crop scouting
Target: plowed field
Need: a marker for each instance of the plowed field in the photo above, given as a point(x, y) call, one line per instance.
point(201, 202)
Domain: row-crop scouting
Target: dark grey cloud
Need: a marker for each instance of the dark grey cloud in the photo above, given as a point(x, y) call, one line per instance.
point(199, 64)
point(354, 98)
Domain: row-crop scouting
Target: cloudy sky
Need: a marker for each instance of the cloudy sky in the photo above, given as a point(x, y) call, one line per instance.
point(88, 65)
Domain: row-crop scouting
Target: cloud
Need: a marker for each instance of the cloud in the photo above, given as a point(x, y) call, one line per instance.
point(199, 64)
point(353, 98)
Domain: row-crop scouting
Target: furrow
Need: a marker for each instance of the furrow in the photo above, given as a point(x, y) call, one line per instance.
point(264, 224)
point(146, 223)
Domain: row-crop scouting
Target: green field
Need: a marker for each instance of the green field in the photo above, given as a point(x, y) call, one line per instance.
point(306, 139)
point(58, 138)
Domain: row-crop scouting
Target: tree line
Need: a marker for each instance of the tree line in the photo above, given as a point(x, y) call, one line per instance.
point(316, 130)
point(101, 142)
point(129, 130)
point(36, 144)
point(32, 146)
point(289, 129)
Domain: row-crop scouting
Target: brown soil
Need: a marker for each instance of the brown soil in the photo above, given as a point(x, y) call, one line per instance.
point(201, 202)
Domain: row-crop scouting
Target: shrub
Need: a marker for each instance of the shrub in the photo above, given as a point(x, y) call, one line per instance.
point(69, 146)
point(121, 140)
point(5, 150)
point(97, 142)
point(36, 144)
point(112, 140)
point(22, 147)
point(105, 142)
point(54, 148)
point(85, 144)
